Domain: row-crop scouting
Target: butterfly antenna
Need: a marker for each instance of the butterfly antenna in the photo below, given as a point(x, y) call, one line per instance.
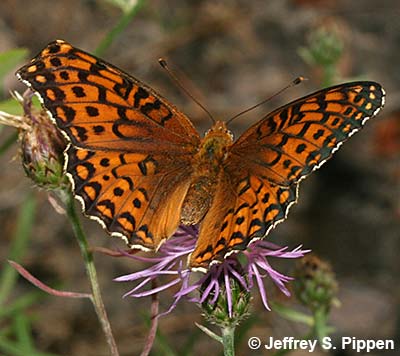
point(294, 82)
point(175, 79)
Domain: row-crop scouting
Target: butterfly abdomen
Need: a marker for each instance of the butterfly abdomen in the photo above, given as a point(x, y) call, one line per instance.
point(208, 163)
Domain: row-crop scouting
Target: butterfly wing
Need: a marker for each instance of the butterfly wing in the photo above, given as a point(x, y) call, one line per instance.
point(131, 151)
point(265, 165)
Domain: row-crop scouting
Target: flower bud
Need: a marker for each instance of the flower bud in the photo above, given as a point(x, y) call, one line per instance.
point(315, 284)
point(42, 144)
point(225, 306)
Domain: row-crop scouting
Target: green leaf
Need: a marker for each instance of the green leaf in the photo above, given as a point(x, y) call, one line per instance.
point(10, 59)
point(11, 106)
point(292, 314)
point(19, 245)
point(23, 332)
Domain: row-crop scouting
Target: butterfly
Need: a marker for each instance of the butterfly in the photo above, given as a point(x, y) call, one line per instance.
point(140, 168)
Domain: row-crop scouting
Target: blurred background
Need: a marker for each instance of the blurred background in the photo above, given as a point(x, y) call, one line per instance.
point(231, 54)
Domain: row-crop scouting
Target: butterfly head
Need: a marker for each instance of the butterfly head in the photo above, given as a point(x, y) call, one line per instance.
point(216, 141)
point(219, 129)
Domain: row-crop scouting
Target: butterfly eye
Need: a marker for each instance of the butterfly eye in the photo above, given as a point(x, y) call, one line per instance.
point(230, 134)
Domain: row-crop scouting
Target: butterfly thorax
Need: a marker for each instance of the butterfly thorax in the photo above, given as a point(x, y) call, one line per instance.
point(207, 166)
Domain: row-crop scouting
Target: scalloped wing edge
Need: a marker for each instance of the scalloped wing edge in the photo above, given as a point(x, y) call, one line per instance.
point(316, 167)
point(71, 180)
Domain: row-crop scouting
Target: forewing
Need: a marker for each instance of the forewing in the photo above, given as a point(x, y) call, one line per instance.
point(124, 137)
point(100, 107)
point(291, 142)
point(267, 162)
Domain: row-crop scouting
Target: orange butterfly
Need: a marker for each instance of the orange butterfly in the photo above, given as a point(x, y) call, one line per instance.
point(140, 168)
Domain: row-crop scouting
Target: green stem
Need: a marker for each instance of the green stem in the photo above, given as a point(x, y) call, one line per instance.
point(320, 327)
point(23, 332)
point(329, 75)
point(18, 247)
point(118, 28)
point(228, 340)
point(91, 272)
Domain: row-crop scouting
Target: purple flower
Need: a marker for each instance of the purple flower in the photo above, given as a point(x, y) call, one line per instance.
point(257, 263)
point(171, 259)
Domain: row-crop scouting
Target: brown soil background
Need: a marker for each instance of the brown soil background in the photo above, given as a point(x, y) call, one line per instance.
point(236, 53)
